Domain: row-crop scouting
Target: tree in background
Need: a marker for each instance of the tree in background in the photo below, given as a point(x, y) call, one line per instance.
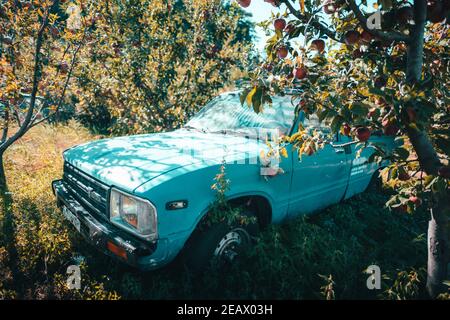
point(39, 42)
point(390, 78)
point(151, 64)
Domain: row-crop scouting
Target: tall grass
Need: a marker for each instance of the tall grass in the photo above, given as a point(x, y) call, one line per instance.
point(315, 257)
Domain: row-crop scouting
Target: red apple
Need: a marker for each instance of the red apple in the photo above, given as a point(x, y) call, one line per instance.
point(300, 73)
point(351, 37)
point(282, 52)
point(363, 134)
point(357, 53)
point(411, 114)
point(380, 101)
point(380, 82)
point(268, 66)
point(309, 150)
point(346, 129)
point(63, 67)
point(372, 113)
point(318, 45)
point(329, 7)
point(403, 176)
point(54, 31)
point(275, 3)
point(416, 200)
point(389, 127)
point(366, 36)
point(244, 3)
point(279, 24)
point(27, 5)
point(444, 172)
point(289, 28)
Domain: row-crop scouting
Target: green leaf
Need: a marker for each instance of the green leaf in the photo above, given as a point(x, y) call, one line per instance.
point(359, 108)
point(336, 123)
point(443, 144)
point(377, 91)
point(385, 4)
point(256, 100)
point(401, 153)
point(323, 114)
point(244, 95)
point(439, 186)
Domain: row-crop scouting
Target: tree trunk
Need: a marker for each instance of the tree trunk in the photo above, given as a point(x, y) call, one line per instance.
point(3, 182)
point(8, 235)
point(438, 248)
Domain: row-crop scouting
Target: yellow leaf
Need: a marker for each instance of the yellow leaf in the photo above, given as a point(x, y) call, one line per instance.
point(250, 96)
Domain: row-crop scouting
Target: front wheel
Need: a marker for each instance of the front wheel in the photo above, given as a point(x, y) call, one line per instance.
point(219, 245)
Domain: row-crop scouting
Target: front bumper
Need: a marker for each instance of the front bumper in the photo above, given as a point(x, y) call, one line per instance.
point(139, 254)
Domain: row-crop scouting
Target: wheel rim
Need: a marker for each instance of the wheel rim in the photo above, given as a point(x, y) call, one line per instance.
point(231, 245)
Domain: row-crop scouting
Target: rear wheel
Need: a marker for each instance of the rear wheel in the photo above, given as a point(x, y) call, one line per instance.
point(219, 245)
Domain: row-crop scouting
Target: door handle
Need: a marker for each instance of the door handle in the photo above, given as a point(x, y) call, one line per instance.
point(339, 150)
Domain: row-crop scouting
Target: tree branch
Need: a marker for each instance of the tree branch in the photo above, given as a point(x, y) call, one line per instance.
point(389, 36)
point(24, 127)
point(315, 23)
point(61, 98)
point(5, 124)
point(415, 48)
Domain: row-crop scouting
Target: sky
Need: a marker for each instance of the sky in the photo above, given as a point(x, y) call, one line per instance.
point(262, 11)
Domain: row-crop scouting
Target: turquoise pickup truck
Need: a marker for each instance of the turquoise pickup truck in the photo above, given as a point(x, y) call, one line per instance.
point(140, 198)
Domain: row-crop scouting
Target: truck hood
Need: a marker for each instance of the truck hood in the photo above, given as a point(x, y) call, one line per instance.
point(127, 162)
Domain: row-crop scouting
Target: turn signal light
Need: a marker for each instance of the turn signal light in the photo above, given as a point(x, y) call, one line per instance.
point(118, 251)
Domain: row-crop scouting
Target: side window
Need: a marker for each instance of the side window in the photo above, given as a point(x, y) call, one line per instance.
point(313, 123)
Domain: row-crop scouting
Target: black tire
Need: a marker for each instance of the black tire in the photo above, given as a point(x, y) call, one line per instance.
point(219, 245)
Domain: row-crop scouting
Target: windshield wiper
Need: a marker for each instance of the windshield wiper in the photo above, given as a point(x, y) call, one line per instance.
point(194, 128)
point(240, 133)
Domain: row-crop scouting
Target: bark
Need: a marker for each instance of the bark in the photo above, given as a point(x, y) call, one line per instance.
point(3, 182)
point(438, 248)
point(415, 43)
point(426, 154)
point(8, 228)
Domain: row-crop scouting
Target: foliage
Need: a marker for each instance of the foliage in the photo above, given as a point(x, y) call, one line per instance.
point(39, 43)
point(221, 210)
point(43, 244)
point(390, 80)
point(364, 84)
point(340, 241)
point(151, 64)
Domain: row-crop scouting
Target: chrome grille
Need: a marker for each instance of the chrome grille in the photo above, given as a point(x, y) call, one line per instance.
point(90, 193)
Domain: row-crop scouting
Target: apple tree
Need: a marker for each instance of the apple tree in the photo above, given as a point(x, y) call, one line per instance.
point(150, 64)
point(372, 67)
point(39, 43)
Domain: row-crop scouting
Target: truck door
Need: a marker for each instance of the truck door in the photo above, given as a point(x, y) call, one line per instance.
point(361, 171)
point(321, 179)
